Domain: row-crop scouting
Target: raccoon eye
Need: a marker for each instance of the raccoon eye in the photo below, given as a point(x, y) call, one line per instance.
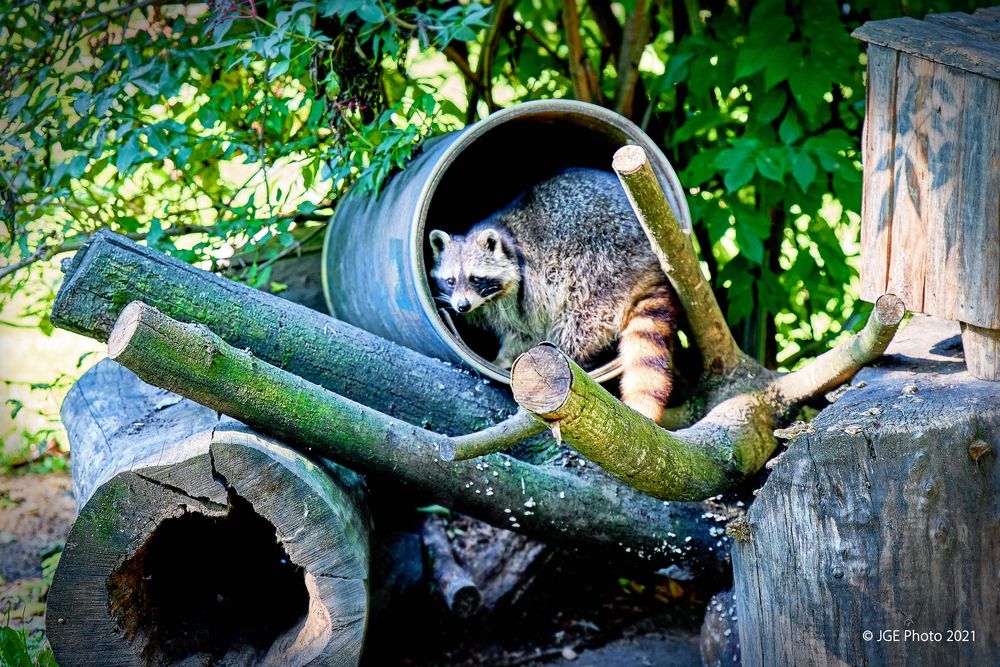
point(450, 282)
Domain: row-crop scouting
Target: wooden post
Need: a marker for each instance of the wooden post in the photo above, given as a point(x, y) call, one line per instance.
point(931, 204)
point(199, 540)
point(885, 519)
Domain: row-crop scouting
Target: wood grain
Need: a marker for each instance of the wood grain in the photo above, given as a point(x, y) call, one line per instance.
point(981, 24)
point(942, 221)
point(936, 41)
point(978, 299)
point(881, 520)
point(169, 492)
point(982, 351)
point(879, 153)
point(911, 182)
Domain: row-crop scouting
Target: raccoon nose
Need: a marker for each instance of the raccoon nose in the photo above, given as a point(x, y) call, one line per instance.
point(463, 306)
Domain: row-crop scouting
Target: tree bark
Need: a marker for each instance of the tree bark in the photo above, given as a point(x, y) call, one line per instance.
point(884, 518)
point(578, 505)
point(679, 262)
point(112, 271)
point(456, 588)
point(730, 443)
point(199, 539)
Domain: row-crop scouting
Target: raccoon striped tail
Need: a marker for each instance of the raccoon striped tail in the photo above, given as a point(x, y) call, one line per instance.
point(645, 349)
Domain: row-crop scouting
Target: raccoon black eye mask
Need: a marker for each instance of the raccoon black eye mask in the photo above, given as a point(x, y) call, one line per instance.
point(545, 268)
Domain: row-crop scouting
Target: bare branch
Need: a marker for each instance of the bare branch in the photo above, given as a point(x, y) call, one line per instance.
point(678, 260)
point(463, 66)
point(484, 69)
point(730, 443)
point(634, 39)
point(581, 70)
point(838, 365)
point(520, 426)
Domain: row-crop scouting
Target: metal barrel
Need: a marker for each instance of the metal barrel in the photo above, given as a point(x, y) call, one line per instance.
point(376, 256)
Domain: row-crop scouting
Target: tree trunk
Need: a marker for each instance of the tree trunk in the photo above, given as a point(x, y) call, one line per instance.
point(112, 271)
point(885, 519)
point(198, 539)
point(577, 505)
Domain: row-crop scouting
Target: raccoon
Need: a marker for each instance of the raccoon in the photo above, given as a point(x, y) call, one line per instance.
point(567, 262)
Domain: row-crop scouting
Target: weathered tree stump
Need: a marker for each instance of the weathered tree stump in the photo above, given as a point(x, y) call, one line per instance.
point(885, 520)
point(199, 541)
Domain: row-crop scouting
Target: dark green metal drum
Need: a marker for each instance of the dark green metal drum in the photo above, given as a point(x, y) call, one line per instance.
point(376, 254)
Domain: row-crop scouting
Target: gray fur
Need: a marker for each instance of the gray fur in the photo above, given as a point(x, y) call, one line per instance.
point(571, 260)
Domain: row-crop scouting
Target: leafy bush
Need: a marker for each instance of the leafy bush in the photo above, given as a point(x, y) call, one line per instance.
point(204, 129)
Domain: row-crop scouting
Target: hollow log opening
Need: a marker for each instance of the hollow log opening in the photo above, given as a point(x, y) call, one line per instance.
point(218, 586)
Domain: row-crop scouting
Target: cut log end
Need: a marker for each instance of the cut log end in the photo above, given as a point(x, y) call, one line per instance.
point(232, 556)
point(889, 310)
point(124, 329)
point(541, 379)
point(629, 159)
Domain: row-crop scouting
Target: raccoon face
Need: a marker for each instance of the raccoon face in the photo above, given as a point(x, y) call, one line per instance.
point(474, 269)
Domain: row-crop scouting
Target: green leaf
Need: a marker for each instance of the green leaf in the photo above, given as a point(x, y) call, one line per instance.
point(278, 288)
point(772, 105)
point(155, 233)
point(16, 406)
point(127, 154)
point(790, 131)
point(277, 69)
point(370, 12)
point(45, 325)
point(808, 89)
point(15, 105)
point(751, 247)
point(739, 175)
point(13, 651)
point(803, 170)
point(771, 164)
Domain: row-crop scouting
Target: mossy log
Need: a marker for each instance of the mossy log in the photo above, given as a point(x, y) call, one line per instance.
point(730, 443)
point(198, 540)
point(883, 518)
point(577, 505)
point(111, 271)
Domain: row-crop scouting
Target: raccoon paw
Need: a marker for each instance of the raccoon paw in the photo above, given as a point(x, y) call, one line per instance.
point(504, 361)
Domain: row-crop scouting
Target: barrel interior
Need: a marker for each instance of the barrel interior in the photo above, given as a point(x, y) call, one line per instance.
point(497, 166)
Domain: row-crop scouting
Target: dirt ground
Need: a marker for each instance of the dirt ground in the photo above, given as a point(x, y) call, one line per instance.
point(36, 512)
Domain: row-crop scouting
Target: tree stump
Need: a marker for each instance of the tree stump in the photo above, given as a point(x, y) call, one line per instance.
point(201, 542)
point(884, 520)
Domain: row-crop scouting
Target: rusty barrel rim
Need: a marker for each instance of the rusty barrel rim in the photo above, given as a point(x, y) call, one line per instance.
point(658, 160)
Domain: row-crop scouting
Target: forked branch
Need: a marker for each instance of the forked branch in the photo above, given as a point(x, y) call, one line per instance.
point(732, 441)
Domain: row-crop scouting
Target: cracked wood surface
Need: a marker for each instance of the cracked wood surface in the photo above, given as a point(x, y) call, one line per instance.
point(143, 457)
point(884, 518)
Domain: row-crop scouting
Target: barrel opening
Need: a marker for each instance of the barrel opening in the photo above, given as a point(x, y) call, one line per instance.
point(492, 168)
point(221, 588)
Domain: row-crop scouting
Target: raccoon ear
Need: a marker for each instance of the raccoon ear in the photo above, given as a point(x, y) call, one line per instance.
point(490, 240)
point(439, 240)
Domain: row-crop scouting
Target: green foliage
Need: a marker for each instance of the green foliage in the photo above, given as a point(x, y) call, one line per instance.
point(207, 129)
